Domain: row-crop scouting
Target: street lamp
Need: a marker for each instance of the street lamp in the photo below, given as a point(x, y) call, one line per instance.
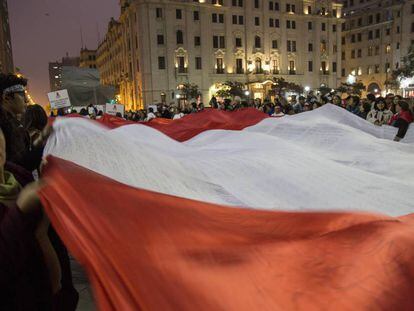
point(307, 88)
point(247, 93)
point(351, 79)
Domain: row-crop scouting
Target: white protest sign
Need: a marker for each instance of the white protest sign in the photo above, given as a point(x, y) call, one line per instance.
point(59, 99)
point(113, 109)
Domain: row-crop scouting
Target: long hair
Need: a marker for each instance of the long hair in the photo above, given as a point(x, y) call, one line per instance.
point(35, 118)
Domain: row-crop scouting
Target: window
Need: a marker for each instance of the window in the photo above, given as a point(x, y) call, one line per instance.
point(343, 40)
point(158, 12)
point(161, 62)
point(333, 28)
point(160, 39)
point(359, 53)
point(370, 51)
point(343, 72)
point(370, 35)
point(180, 37)
point(310, 25)
point(218, 42)
point(377, 68)
point(274, 23)
point(241, 20)
point(353, 54)
point(387, 67)
point(196, 15)
point(274, 44)
point(377, 33)
point(359, 22)
point(198, 63)
point(398, 46)
point(377, 50)
point(388, 31)
point(334, 68)
point(291, 46)
point(258, 65)
point(257, 21)
point(178, 14)
point(370, 19)
point(256, 4)
point(292, 68)
point(217, 18)
point(275, 67)
point(181, 64)
point(353, 39)
point(219, 65)
point(359, 37)
point(310, 66)
point(290, 24)
point(323, 26)
point(398, 29)
point(343, 56)
point(257, 42)
point(310, 47)
point(239, 66)
point(378, 18)
point(239, 42)
point(237, 3)
point(388, 49)
point(290, 8)
point(324, 68)
point(197, 41)
point(335, 48)
point(309, 9)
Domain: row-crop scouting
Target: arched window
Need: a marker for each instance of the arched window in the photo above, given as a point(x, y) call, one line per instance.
point(257, 42)
point(180, 37)
point(258, 65)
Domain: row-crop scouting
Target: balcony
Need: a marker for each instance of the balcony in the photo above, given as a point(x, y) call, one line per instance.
point(292, 71)
point(181, 70)
point(239, 71)
point(275, 71)
point(259, 71)
point(220, 71)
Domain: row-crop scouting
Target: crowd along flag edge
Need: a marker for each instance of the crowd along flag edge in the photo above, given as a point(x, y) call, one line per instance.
point(150, 251)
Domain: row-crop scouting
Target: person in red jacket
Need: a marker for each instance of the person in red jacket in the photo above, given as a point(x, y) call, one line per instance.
point(401, 119)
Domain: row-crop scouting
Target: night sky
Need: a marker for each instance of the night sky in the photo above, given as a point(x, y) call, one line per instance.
point(44, 30)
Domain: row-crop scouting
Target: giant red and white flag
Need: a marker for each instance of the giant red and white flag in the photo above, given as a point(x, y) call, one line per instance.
point(237, 211)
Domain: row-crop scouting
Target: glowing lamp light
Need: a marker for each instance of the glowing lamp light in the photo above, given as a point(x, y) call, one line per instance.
point(307, 88)
point(178, 96)
point(250, 67)
point(351, 79)
point(376, 90)
point(247, 93)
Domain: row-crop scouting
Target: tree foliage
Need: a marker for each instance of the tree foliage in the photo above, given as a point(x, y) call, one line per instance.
point(190, 90)
point(280, 86)
point(352, 89)
point(230, 89)
point(406, 69)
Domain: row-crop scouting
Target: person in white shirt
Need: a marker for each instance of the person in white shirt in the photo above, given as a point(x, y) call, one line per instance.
point(150, 115)
point(178, 114)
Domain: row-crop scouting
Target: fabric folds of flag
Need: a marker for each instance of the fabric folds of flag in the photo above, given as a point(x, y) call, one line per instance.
point(147, 250)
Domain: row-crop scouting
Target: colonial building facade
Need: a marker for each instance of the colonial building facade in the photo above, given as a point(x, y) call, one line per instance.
point(376, 35)
point(6, 56)
point(156, 46)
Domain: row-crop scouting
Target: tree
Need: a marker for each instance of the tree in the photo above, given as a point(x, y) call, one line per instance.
point(406, 69)
point(352, 88)
point(392, 83)
point(190, 90)
point(280, 86)
point(324, 90)
point(231, 89)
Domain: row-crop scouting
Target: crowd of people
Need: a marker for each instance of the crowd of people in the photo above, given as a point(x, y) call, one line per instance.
point(35, 272)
